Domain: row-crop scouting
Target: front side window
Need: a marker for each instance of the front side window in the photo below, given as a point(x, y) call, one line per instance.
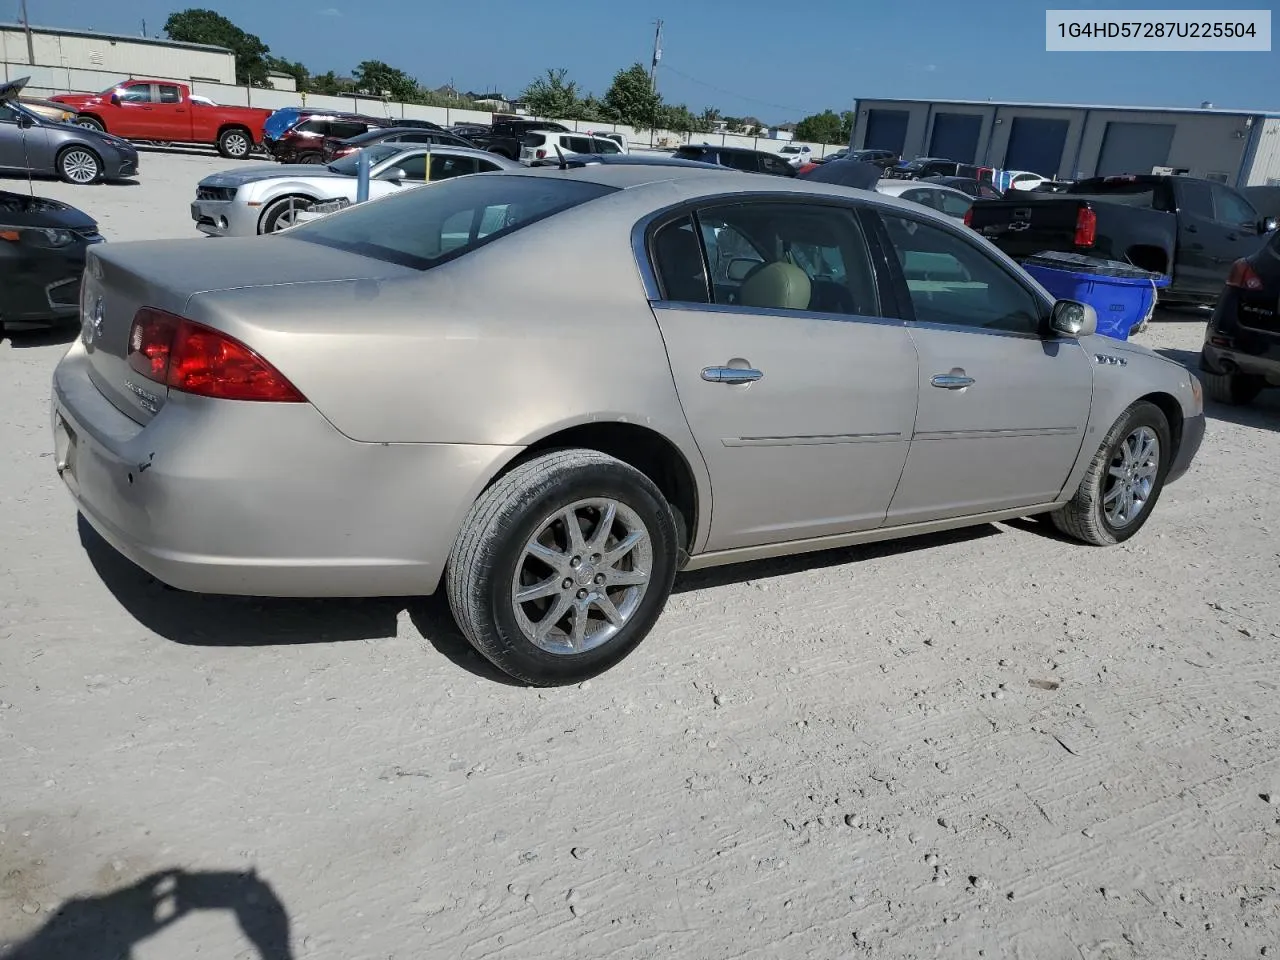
point(605, 145)
point(1230, 208)
point(316, 125)
point(422, 228)
point(137, 93)
point(789, 256)
point(444, 166)
point(342, 129)
point(953, 282)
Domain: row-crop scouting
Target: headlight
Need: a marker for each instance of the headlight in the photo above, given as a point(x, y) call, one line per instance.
point(47, 237)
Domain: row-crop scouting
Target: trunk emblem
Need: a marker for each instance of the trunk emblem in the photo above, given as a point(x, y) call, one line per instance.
point(1018, 226)
point(91, 325)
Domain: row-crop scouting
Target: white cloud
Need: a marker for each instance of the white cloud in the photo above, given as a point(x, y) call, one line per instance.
point(331, 12)
point(930, 67)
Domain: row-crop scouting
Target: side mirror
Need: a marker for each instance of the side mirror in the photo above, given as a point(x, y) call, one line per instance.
point(1269, 225)
point(1073, 319)
point(25, 122)
point(115, 99)
point(395, 173)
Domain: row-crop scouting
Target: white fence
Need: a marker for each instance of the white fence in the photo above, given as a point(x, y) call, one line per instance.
point(47, 81)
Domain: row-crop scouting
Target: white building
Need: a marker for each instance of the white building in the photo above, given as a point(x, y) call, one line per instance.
point(85, 60)
point(1070, 141)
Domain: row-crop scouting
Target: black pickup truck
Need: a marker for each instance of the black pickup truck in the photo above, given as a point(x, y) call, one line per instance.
point(505, 135)
point(1191, 229)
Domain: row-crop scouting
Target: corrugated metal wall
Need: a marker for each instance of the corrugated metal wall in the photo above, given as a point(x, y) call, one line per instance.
point(1265, 169)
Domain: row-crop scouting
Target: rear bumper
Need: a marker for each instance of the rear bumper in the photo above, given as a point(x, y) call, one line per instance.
point(1188, 447)
point(261, 499)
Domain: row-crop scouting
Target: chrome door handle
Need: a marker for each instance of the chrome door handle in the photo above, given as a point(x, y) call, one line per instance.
point(950, 381)
point(731, 374)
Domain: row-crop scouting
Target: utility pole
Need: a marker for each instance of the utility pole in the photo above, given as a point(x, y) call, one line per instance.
point(657, 55)
point(26, 25)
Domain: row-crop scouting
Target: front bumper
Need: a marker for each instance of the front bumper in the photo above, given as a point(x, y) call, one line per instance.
point(121, 167)
point(225, 218)
point(1188, 447)
point(43, 286)
point(261, 499)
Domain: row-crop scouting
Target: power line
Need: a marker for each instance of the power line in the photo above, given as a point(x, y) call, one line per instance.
point(730, 93)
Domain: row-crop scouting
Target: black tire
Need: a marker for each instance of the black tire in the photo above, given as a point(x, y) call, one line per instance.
point(1085, 518)
point(310, 158)
point(235, 143)
point(281, 210)
point(489, 553)
point(1235, 389)
point(79, 165)
point(90, 123)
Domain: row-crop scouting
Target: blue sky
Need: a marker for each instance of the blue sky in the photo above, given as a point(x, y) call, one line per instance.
point(774, 60)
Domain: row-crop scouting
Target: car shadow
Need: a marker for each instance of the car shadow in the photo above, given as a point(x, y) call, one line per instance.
point(804, 562)
point(41, 336)
point(107, 926)
point(211, 620)
point(48, 178)
point(1262, 414)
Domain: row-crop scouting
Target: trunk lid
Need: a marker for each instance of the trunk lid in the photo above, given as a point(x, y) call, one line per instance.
point(1024, 227)
point(122, 278)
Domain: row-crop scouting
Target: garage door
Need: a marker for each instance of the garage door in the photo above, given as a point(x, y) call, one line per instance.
point(955, 136)
point(1036, 144)
point(886, 130)
point(1134, 148)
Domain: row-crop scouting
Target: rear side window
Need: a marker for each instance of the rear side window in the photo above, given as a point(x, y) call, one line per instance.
point(425, 227)
point(578, 144)
point(170, 94)
point(677, 259)
point(534, 140)
point(314, 125)
point(347, 128)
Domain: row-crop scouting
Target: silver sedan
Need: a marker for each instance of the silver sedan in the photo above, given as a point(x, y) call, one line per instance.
point(547, 391)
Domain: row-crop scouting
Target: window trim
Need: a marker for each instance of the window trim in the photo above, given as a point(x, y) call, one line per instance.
point(905, 305)
point(642, 235)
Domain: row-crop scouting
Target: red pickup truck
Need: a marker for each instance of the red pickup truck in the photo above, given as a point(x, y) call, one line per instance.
point(163, 110)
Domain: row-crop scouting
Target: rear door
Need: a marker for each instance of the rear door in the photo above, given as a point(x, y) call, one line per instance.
point(800, 394)
point(1002, 410)
point(1197, 267)
point(169, 114)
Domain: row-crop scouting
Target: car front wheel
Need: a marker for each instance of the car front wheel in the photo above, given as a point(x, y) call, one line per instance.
point(79, 165)
point(1124, 479)
point(563, 566)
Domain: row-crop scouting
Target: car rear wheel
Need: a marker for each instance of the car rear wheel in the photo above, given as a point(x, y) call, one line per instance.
point(235, 144)
point(1124, 480)
point(90, 123)
point(283, 214)
point(79, 165)
point(563, 566)
point(1234, 388)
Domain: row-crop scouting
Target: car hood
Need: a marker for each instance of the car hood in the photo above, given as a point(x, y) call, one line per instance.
point(266, 171)
point(20, 210)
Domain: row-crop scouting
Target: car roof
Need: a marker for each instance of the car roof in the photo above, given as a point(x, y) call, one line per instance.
point(453, 151)
point(578, 160)
point(892, 188)
point(719, 148)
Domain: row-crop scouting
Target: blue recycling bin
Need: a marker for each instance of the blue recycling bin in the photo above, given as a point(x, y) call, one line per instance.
point(1123, 295)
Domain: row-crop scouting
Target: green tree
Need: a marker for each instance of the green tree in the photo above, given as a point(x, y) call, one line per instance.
point(375, 77)
point(632, 99)
point(678, 119)
point(820, 128)
point(329, 84)
point(708, 120)
point(206, 26)
point(734, 124)
point(553, 96)
point(846, 126)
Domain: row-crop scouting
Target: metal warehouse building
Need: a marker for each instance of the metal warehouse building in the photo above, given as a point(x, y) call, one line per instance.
point(86, 60)
point(1070, 141)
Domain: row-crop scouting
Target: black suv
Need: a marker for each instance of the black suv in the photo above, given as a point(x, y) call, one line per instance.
point(507, 134)
point(1241, 352)
point(737, 158)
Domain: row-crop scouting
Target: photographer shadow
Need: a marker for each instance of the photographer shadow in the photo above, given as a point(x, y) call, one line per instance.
point(106, 927)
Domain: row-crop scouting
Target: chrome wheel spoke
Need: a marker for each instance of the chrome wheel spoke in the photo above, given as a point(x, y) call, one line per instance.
point(1117, 472)
point(627, 578)
point(552, 558)
point(578, 632)
point(577, 544)
point(622, 548)
point(537, 591)
point(554, 615)
point(1113, 493)
point(609, 609)
point(601, 535)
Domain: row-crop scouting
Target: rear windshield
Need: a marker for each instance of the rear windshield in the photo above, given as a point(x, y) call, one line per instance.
point(430, 225)
point(350, 164)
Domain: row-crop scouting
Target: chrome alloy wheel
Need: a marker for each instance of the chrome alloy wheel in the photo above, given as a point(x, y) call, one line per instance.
point(1131, 477)
point(581, 576)
point(80, 166)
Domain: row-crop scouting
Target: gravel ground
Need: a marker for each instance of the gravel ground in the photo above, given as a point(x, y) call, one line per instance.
point(989, 743)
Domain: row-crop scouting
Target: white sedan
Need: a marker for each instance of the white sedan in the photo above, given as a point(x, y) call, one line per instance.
point(267, 197)
point(944, 199)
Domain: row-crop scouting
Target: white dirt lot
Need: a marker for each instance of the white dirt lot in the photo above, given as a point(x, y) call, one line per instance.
point(989, 743)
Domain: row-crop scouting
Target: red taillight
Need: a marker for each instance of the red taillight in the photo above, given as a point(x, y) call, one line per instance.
point(1086, 227)
point(540, 154)
point(968, 217)
point(190, 357)
point(1243, 275)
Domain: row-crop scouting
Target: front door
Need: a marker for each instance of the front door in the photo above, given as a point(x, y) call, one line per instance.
point(136, 117)
point(22, 147)
point(800, 393)
point(1002, 410)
